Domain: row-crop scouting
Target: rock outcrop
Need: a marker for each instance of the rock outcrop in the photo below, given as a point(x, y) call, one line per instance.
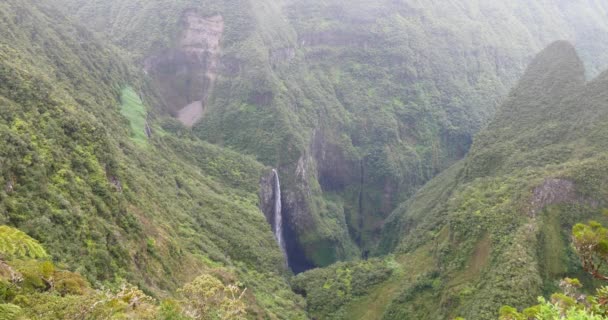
point(186, 73)
point(266, 195)
point(552, 191)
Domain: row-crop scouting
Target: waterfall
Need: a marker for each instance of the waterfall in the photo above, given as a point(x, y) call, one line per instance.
point(278, 217)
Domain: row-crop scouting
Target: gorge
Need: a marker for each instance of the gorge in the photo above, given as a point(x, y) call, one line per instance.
point(297, 159)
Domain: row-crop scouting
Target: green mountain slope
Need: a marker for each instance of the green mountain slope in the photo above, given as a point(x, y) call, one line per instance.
point(494, 228)
point(141, 151)
point(154, 208)
point(357, 104)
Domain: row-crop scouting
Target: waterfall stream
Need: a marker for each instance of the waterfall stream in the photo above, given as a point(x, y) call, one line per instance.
point(278, 217)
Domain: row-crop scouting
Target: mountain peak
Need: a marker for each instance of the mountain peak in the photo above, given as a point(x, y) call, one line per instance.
point(560, 53)
point(553, 72)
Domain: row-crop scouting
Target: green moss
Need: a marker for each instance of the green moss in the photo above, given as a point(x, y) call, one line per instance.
point(134, 110)
point(553, 249)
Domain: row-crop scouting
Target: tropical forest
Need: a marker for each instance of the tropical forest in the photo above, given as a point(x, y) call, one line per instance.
point(304, 159)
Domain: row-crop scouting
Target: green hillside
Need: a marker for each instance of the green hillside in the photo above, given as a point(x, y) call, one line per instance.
point(494, 228)
point(100, 202)
point(134, 110)
point(369, 100)
point(424, 171)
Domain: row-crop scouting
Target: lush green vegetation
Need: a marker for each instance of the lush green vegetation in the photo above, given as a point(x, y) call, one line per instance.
point(134, 110)
point(74, 179)
point(329, 289)
point(590, 242)
point(495, 227)
point(370, 99)
point(500, 219)
point(14, 243)
point(357, 103)
point(32, 287)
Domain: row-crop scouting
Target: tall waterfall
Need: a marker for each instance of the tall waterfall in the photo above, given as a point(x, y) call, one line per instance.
point(278, 217)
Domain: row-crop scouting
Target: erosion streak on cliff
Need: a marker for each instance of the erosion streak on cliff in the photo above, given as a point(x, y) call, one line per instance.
point(185, 75)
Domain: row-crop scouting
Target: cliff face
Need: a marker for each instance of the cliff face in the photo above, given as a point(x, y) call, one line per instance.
point(266, 196)
point(185, 74)
point(551, 192)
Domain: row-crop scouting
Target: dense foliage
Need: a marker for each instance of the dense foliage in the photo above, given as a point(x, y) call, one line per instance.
point(14, 243)
point(357, 103)
point(589, 241)
point(591, 244)
point(34, 288)
point(329, 289)
point(499, 219)
point(78, 175)
point(494, 228)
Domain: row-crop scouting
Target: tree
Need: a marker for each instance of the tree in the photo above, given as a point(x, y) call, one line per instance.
point(207, 298)
point(591, 244)
point(10, 312)
point(16, 244)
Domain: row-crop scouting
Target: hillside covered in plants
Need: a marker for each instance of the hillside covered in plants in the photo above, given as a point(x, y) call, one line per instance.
point(494, 228)
point(279, 159)
point(356, 103)
point(107, 202)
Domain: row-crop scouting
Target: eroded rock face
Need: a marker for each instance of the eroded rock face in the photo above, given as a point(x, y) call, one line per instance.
point(191, 113)
point(298, 219)
point(336, 170)
point(185, 74)
point(552, 191)
point(296, 199)
point(267, 196)
point(116, 183)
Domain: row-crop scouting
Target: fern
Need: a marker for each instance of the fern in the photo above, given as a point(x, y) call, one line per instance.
point(9, 312)
point(16, 244)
